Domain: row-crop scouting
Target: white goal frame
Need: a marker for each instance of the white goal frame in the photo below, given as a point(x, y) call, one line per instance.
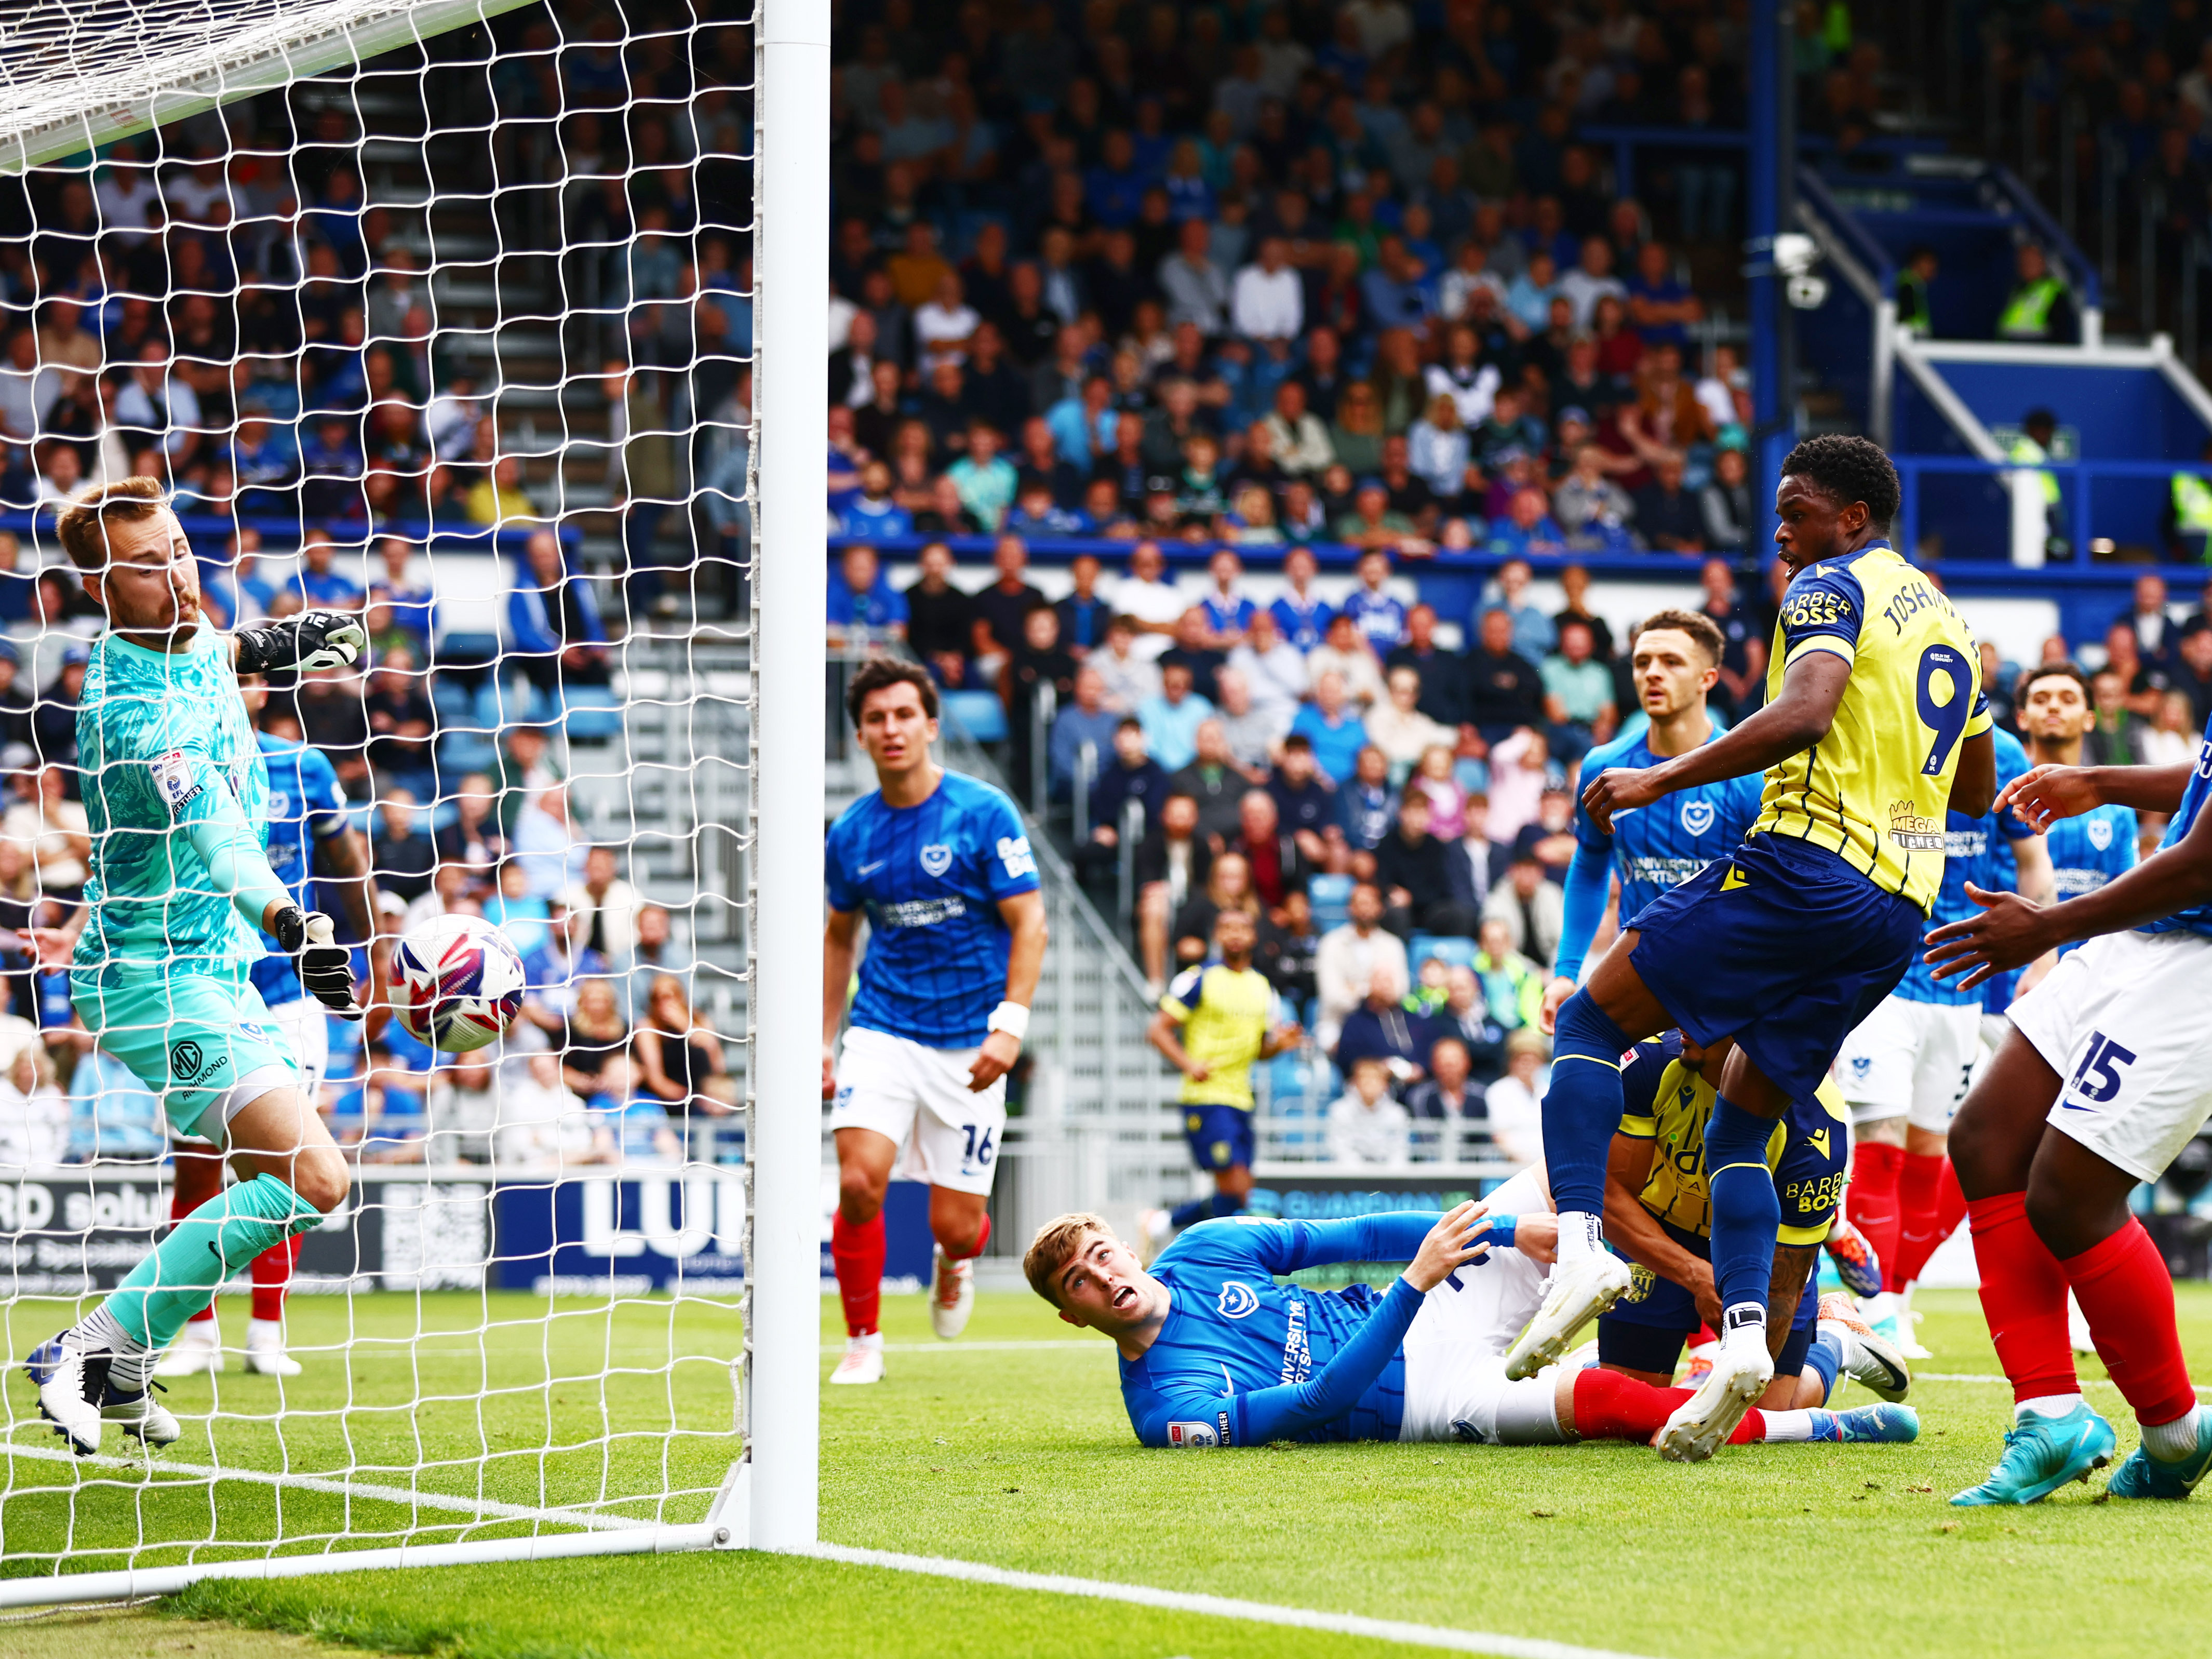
point(50, 109)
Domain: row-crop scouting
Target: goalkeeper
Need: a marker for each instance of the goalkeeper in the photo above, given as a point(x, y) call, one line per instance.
point(176, 793)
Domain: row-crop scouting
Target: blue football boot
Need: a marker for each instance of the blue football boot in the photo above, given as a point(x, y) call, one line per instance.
point(2144, 1476)
point(2041, 1455)
point(44, 1357)
point(1884, 1425)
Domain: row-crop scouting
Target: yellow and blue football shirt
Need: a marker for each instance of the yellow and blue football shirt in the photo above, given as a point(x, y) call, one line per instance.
point(1876, 789)
point(1223, 1012)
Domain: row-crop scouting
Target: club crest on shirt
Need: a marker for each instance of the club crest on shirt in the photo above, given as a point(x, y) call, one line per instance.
point(937, 858)
point(2100, 833)
point(1697, 815)
point(1237, 1299)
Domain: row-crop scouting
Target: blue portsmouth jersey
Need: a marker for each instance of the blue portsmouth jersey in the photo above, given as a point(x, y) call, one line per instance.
point(2088, 851)
point(307, 805)
point(1243, 1360)
point(1663, 845)
point(931, 877)
point(2197, 919)
point(1978, 850)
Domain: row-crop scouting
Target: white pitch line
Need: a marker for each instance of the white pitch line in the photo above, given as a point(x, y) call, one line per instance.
point(481, 1507)
point(1048, 1346)
point(1216, 1607)
point(1983, 1377)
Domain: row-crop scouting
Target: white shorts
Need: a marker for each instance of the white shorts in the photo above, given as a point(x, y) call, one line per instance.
point(1456, 1346)
point(917, 1098)
point(1911, 1060)
point(306, 1028)
point(2122, 1021)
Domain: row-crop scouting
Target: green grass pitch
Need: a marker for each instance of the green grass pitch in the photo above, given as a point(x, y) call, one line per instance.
point(1021, 1457)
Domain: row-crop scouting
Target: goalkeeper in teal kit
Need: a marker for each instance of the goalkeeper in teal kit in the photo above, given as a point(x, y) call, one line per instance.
point(176, 794)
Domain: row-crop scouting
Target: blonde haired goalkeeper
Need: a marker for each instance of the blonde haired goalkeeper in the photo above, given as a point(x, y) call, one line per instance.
point(176, 794)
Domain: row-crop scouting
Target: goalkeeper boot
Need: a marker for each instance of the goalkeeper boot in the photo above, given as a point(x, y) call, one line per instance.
point(951, 1295)
point(863, 1361)
point(1581, 1291)
point(264, 1350)
point(1856, 1265)
point(1869, 1359)
point(2144, 1476)
point(143, 1417)
point(2041, 1455)
point(1881, 1426)
point(69, 1395)
point(198, 1348)
point(1701, 1425)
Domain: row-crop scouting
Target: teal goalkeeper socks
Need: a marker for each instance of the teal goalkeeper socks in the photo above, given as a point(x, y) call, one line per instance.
point(207, 1247)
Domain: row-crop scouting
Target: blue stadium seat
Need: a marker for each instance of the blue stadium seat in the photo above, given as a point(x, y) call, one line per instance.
point(591, 713)
point(463, 752)
point(1331, 899)
point(509, 703)
point(1445, 947)
point(979, 714)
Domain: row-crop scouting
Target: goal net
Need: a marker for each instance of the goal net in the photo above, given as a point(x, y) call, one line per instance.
point(441, 313)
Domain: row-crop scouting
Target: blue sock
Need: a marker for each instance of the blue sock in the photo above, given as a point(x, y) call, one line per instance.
point(1746, 1208)
point(1583, 1107)
point(1824, 1359)
point(1198, 1210)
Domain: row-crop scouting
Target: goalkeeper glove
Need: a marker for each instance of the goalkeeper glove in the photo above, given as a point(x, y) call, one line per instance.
point(310, 641)
point(325, 966)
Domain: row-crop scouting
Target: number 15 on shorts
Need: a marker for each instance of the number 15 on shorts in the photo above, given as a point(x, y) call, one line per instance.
point(2097, 1078)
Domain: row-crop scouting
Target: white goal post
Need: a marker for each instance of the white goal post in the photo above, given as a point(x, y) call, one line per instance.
point(75, 74)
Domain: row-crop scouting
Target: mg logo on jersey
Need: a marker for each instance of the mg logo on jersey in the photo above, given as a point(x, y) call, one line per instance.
point(2100, 833)
point(1238, 1300)
point(937, 858)
point(1697, 815)
point(1192, 1436)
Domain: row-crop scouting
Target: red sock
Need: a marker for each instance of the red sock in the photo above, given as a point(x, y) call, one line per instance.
point(858, 1254)
point(2127, 1296)
point(2024, 1297)
point(273, 1276)
point(194, 1178)
point(981, 1239)
point(1875, 1169)
point(1920, 1193)
point(1611, 1406)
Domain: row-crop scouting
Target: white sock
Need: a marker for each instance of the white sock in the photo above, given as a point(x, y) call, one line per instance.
point(204, 1332)
point(873, 1339)
point(1529, 1412)
point(2047, 1406)
point(1743, 1326)
point(2170, 1442)
point(1787, 1426)
point(1579, 1235)
point(264, 1333)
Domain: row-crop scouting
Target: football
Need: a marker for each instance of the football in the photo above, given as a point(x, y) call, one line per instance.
point(456, 983)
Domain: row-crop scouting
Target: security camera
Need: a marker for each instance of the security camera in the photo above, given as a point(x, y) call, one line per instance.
point(1795, 252)
point(1807, 292)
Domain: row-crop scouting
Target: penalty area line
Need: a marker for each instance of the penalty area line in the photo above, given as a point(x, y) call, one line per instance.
point(1214, 1607)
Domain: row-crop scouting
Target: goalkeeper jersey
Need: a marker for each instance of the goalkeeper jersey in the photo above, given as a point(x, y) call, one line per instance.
point(166, 750)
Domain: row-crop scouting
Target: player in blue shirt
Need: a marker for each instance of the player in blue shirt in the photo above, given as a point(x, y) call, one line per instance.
point(2056, 713)
point(1676, 660)
point(2106, 1076)
point(1216, 1352)
point(306, 817)
point(941, 866)
point(1905, 1067)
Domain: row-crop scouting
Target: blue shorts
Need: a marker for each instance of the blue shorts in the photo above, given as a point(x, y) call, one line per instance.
point(1646, 1329)
point(1784, 947)
point(1219, 1136)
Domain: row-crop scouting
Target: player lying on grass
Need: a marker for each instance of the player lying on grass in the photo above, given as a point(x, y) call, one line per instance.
point(176, 792)
point(2105, 1078)
point(1215, 1352)
point(1874, 725)
point(1658, 1214)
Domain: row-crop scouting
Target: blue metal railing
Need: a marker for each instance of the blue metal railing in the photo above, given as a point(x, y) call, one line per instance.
point(2006, 185)
point(1813, 191)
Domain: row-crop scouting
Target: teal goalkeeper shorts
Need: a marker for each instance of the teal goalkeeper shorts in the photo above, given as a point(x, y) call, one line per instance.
point(204, 1041)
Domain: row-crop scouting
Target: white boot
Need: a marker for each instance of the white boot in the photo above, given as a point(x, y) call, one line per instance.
point(265, 1349)
point(863, 1361)
point(198, 1348)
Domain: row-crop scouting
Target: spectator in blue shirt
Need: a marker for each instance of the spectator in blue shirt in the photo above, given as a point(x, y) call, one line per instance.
point(1113, 189)
point(1171, 718)
point(1535, 634)
point(1527, 527)
point(332, 470)
point(874, 513)
point(861, 597)
point(1333, 726)
point(1662, 308)
point(1392, 292)
point(410, 609)
point(1381, 616)
point(1302, 616)
point(1086, 719)
point(552, 623)
point(321, 585)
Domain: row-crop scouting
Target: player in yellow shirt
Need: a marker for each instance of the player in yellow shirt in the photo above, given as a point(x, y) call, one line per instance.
point(1212, 1024)
point(1875, 725)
